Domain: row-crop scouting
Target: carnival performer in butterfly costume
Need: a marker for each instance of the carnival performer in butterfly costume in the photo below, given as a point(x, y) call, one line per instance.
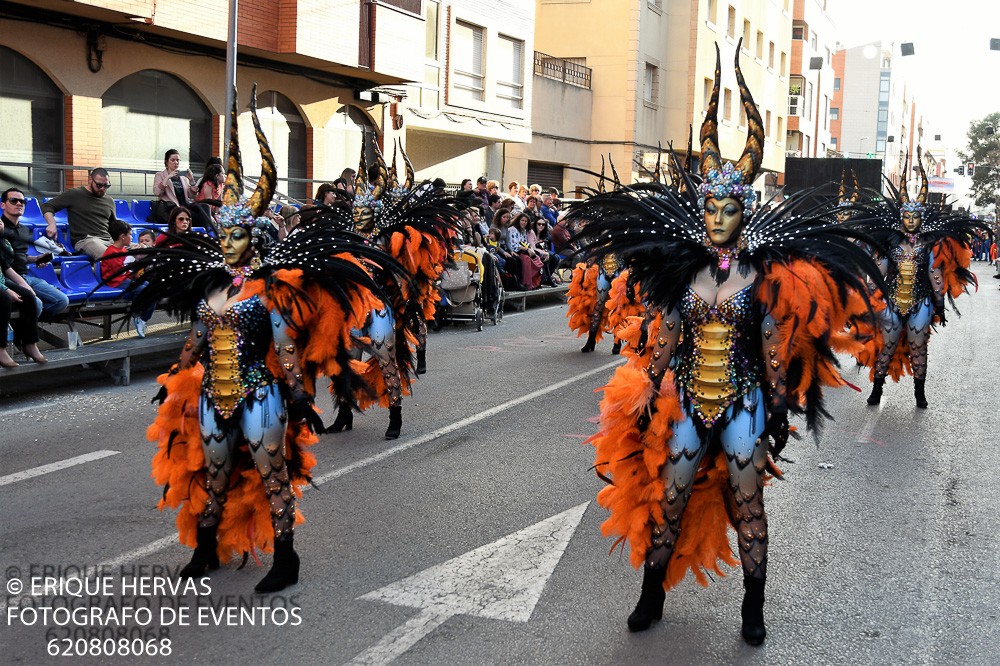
point(590, 288)
point(236, 416)
point(746, 311)
point(927, 262)
point(413, 226)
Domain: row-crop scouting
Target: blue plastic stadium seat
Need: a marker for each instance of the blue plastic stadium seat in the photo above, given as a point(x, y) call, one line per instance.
point(141, 208)
point(48, 273)
point(79, 275)
point(32, 213)
point(122, 211)
point(62, 217)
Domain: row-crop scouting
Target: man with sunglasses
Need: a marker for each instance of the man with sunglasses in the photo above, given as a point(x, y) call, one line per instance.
point(89, 211)
point(51, 301)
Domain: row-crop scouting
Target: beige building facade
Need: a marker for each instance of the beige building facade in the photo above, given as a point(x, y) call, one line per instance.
point(115, 83)
point(651, 65)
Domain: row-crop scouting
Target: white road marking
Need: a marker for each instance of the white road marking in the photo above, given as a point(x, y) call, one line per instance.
point(502, 580)
point(865, 436)
point(171, 540)
point(441, 432)
point(55, 467)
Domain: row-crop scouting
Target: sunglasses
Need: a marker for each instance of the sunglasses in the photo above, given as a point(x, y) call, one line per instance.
point(101, 186)
point(15, 202)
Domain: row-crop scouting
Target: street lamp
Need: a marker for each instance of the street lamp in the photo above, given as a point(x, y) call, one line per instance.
point(861, 144)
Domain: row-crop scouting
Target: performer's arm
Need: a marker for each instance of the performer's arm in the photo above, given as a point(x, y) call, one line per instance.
point(300, 406)
point(664, 345)
point(937, 288)
point(777, 420)
point(193, 348)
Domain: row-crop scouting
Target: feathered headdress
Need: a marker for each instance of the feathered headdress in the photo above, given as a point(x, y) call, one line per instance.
point(721, 180)
point(368, 195)
point(236, 210)
point(848, 193)
point(920, 204)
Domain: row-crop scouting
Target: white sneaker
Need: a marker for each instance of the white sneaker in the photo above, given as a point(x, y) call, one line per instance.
point(140, 326)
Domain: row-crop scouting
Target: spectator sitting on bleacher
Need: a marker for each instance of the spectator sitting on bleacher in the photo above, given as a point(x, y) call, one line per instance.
point(89, 212)
point(172, 187)
point(15, 292)
point(114, 260)
point(561, 235)
point(147, 238)
point(51, 301)
point(178, 223)
point(210, 189)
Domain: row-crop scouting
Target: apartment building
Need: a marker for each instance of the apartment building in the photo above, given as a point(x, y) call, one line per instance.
point(811, 81)
point(117, 82)
point(877, 115)
point(650, 66)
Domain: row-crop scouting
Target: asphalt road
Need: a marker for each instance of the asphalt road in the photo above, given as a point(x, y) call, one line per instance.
point(882, 536)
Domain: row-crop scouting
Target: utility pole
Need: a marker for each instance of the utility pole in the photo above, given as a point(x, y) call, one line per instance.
point(230, 77)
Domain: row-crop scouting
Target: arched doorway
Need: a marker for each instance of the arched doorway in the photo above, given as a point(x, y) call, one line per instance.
point(144, 115)
point(286, 135)
point(344, 134)
point(31, 123)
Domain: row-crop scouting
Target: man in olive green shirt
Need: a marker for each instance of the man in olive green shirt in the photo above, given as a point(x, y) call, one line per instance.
point(89, 214)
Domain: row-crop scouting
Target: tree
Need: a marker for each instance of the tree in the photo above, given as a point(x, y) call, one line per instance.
point(984, 152)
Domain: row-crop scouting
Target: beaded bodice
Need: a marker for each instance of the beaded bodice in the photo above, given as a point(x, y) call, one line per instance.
point(719, 358)
point(238, 341)
point(909, 283)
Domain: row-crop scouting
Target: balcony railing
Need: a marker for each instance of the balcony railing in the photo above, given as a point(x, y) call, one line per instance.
point(562, 70)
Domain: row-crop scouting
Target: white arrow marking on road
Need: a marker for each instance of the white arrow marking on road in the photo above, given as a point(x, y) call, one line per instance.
point(502, 580)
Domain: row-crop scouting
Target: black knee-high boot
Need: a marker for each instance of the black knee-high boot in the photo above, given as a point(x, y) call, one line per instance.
point(876, 396)
point(344, 420)
point(918, 393)
point(205, 557)
point(617, 347)
point(591, 343)
point(395, 422)
point(650, 606)
point(752, 611)
point(284, 570)
point(421, 361)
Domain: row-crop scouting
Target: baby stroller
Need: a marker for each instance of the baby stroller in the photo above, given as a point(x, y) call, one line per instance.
point(461, 288)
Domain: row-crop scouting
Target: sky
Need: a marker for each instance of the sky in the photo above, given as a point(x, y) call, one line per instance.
point(954, 74)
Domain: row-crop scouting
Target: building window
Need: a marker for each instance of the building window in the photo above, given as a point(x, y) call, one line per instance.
point(770, 55)
point(706, 93)
point(510, 83)
point(467, 53)
point(655, 4)
point(883, 115)
point(713, 11)
point(880, 146)
point(836, 83)
point(412, 6)
point(833, 142)
point(834, 113)
point(743, 115)
point(826, 112)
point(760, 45)
point(32, 110)
point(731, 27)
point(746, 35)
point(145, 113)
point(431, 30)
point(727, 105)
point(650, 84)
point(781, 128)
point(767, 123)
point(784, 63)
point(829, 57)
point(798, 32)
point(814, 41)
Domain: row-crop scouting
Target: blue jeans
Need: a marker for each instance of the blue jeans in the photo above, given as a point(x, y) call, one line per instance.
point(51, 301)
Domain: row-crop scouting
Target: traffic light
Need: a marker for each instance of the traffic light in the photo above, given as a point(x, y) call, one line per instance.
point(960, 170)
point(970, 167)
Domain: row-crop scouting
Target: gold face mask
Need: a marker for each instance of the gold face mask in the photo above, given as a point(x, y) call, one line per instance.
point(236, 248)
point(364, 219)
point(723, 220)
point(911, 221)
